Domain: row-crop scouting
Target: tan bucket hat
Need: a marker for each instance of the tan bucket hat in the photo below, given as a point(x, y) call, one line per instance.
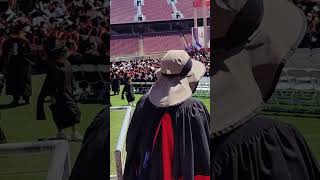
point(176, 78)
point(252, 40)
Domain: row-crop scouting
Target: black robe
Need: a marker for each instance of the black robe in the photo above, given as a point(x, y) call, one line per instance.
point(59, 85)
point(3, 138)
point(93, 160)
point(262, 149)
point(128, 90)
point(191, 141)
point(16, 57)
point(115, 85)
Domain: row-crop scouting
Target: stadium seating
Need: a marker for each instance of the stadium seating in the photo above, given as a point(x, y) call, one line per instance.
point(122, 11)
point(156, 10)
point(203, 89)
point(298, 90)
point(124, 45)
point(162, 42)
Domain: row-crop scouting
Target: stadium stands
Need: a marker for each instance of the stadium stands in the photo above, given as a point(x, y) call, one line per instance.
point(298, 90)
point(203, 89)
point(162, 42)
point(122, 11)
point(156, 10)
point(124, 45)
point(186, 7)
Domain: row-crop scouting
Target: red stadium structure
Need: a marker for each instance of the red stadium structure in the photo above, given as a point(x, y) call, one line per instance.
point(142, 28)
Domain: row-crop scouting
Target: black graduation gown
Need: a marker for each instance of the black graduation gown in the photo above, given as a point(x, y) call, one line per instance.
point(2, 82)
point(16, 52)
point(3, 138)
point(191, 141)
point(59, 84)
point(128, 89)
point(262, 149)
point(93, 160)
point(115, 85)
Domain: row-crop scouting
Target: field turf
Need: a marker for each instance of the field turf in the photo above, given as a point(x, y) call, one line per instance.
point(20, 125)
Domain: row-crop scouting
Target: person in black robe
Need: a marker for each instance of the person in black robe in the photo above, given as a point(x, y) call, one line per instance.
point(93, 159)
point(3, 138)
point(115, 84)
point(168, 137)
point(2, 82)
point(16, 56)
point(59, 86)
point(128, 90)
point(248, 62)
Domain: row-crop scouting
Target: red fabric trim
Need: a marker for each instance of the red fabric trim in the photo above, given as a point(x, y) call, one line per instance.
point(199, 177)
point(167, 141)
point(167, 147)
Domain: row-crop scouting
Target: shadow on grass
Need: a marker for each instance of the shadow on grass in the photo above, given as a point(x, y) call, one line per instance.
point(11, 105)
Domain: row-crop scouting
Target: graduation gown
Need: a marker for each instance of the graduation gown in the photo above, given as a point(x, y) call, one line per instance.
point(3, 138)
point(16, 52)
point(59, 85)
point(189, 142)
point(93, 160)
point(128, 90)
point(262, 149)
point(115, 85)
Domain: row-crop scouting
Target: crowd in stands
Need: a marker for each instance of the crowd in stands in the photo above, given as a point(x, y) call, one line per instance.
point(311, 9)
point(143, 70)
point(82, 23)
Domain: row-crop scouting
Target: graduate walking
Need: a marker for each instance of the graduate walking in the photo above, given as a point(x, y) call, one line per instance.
point(168, 137)
point(128, 90)
point(59, 86)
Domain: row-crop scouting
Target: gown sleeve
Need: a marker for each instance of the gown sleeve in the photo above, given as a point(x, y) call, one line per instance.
point(93, 160)
point(132, 157)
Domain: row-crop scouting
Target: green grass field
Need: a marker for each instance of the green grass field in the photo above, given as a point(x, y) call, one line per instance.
point(20, 125)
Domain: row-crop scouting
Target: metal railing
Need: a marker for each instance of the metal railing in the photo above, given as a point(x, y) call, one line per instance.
point(120, 152)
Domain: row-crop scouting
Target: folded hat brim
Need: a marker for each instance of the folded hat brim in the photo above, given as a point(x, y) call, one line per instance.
point(255, 69)
point(168, 91)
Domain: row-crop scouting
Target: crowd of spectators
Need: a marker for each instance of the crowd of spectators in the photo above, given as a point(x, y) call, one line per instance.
point(311, 9)
point(84, 23)
point(143, 70)
point(140, 70)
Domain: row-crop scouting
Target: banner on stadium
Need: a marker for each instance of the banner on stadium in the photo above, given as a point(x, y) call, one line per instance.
point(198, 3)
point(198, 37)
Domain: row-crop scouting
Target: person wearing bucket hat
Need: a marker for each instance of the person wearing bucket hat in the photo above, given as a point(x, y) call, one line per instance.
point(168, 137)
point(252, 40)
